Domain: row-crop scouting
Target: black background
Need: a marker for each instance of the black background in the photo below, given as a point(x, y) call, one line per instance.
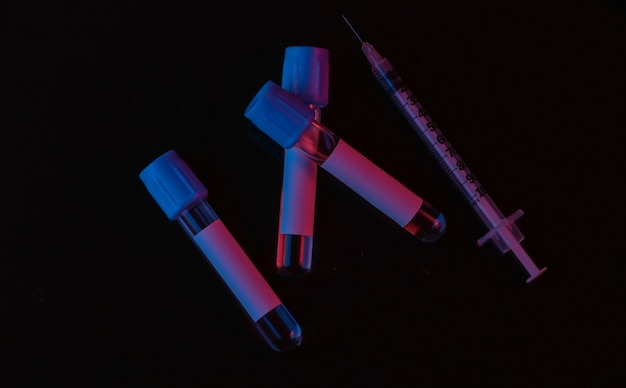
point(99, 288)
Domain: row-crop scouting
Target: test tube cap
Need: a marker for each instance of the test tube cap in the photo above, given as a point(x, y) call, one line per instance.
point(306, 74)
point(172, 184)
point(279, 114)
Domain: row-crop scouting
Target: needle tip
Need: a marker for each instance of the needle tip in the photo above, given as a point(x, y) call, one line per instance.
point(352, 28)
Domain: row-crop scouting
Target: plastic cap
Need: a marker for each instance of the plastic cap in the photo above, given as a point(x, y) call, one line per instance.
point(279, 114)
point(172, 184)
point(305, 74)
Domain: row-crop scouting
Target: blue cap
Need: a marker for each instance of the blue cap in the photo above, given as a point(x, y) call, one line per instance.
point(172, 184)
point(305, 74)
point(279, 114)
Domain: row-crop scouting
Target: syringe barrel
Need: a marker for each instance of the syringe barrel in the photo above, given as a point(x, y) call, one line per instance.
point(181, 196)
point(450, 161)
point(505, 235)
point(283, 117)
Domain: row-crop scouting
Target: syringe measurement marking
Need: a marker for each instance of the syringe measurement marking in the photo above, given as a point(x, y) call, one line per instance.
point(447, 155)
point(393, 84)
point(502, 231)
point(389, 78)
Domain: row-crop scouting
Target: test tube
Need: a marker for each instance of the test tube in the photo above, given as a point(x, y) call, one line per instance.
point(290, 123)
point(305, 74)
point(182, 197)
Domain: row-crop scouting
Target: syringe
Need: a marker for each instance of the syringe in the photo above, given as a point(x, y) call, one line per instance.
point(502, 230)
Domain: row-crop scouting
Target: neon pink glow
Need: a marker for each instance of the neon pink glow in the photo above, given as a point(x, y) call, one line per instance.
point(372, 183)
point(236, 269)
point(298, 195)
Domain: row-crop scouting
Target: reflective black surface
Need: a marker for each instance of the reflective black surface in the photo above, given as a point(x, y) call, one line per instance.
point(98, 287)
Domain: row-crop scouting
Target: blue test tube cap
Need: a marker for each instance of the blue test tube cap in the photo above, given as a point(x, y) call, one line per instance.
point(279, 114)
point(172, 184)
point(306, 74)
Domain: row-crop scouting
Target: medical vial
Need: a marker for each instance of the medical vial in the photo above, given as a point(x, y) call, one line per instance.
point(290, 122)
point(306, 75)
point(182, 197)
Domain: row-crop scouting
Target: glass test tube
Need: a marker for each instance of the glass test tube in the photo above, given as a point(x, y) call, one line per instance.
point(305, 74)
point(290, 122)
point(181, 195)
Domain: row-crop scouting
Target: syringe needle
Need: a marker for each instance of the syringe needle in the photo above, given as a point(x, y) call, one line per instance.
point(370, 53)
point(502, 231)
point(352, 28)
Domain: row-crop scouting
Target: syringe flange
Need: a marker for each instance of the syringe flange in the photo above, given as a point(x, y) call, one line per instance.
point(507, 237)
point(495, 235)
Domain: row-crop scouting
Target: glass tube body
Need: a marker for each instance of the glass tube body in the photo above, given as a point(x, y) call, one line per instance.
point(270, 317)
point(297, 211)
point(407, 209)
